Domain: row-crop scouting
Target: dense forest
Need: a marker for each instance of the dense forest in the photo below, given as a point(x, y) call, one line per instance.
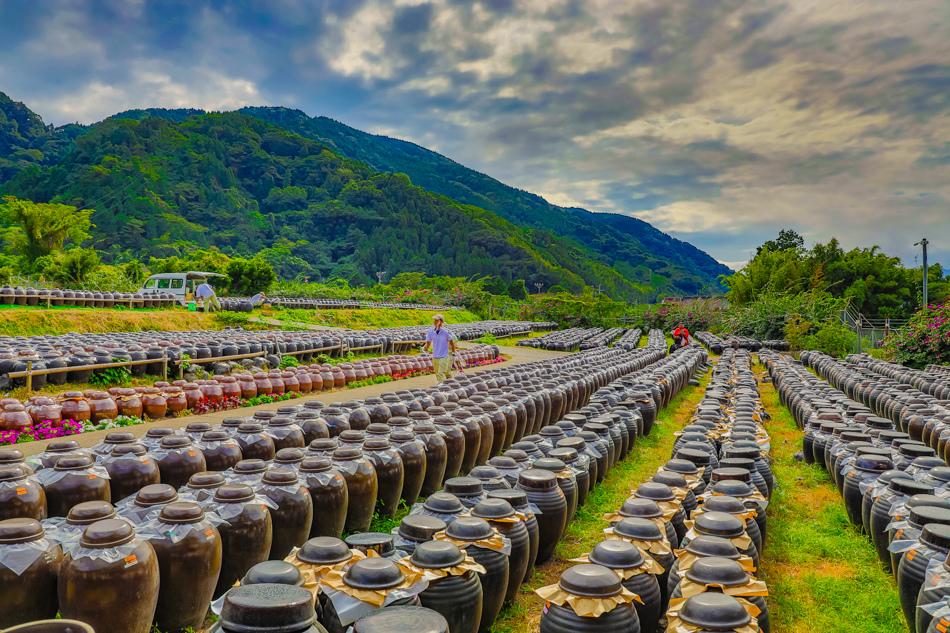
point(160, 188)
point(651, 262)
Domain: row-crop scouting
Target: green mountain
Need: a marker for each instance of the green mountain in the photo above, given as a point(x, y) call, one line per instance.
point(161, 187)
point(641, 254)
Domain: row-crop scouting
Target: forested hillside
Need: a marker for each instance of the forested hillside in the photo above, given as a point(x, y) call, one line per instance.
point(160, 187)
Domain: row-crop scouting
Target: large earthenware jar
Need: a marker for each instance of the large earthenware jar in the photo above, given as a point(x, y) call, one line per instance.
point(542, 490)
point(329, 494)
point(293, 516)
point(457, 594)
point(402, 620)
point(390, 473)
point(454, 438)
point(285, 433)
point(502, 517)
point(111, 581)
point(102, 407)
point(188, 547)
point(20, 496)
point(594, 582)
point(246, 532)
point(255, 443)
point(178, 460)
point(29, 567)
point(362, 487)
point(220, 450)
point(486, 547)
point(638, 574)
point(154, 405)
point(73, 480)
point(519, 501)
point(130, 469)
point(413, 455)
point(128, 403)
point(436, 457)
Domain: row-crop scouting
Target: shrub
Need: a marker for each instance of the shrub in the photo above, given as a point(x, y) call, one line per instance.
point(925, 339)
point(250, 276)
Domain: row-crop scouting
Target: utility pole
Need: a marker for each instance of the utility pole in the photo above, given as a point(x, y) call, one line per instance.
point(923, 244)
point(379, 275)
point(538, 286)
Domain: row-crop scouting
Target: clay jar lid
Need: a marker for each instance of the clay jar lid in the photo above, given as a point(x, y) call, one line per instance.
point(233, 493)
point(401, 619)
point(107, 533)
point(903, 485)
point(465, 486)
point(206, 479)
point(12, 473)
point(62, 446)
point(655, 491)
point(374, 574)
point(315, 465)
point(89, 512)
point(639, 529)
point(155, 494)
point(176, 441)
point(940, 474)
point(119, 437)
point(928, 463)
point(470, 529)
point(20, 531)
point(77, 462)
point(291, 455)
point(504, 462)
point(250, 427)
point(198, 427)
point(443, 503)
point(324, 550)
point(250, 467)
point(11, 456)
point(517, 498)
point(267, 607)
point(707, 571)
point(181, 512)
point(280, 477)
point(493, 509)
point(347, 453)
point(401, 436)
point(643, 508)
point(377, 444)
point(714, 611)
point(616, 555)
point(273, 572)
point(591, 581)
point(159, 431)
point(437, 555)
point(730, 489)
point(351, 436)
point(549, 463)
point(930, 515)
point(378, 542)
point(725, 474)
point(323, 444)
point(420, 527)
point(719, 524)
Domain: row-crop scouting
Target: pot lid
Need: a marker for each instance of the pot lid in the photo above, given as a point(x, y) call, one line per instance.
point(377, 444)
point(503, 462)
point(402, 620)
point(907, 486)
point(549, 463)
point(250, 427)
point(12, 473)
point(941, 473)
point(470, 529)
point(437, 555)
point(323, 444)
point(374, 574)
point(719, 524)
point(721, 503)
point(930, 514)
point(155, 494)
point(737, 474)
point(347, 453)
point(62, 446)
point(637, 507)
point(493, 509)
point(107, 533)
point(280, 421)
point(591, 581)
point(126, 449)
point(655, 491)
point(280, 477)
point(732, 489)
point(159, 431)
point(671, 479)
point(707, 571)
point(181, 512)
point(267, 607)
point(233, 493)
point(75, 462)
point(176, 441)
point(420, 527)
point(324, 550)
point(89, 512)
point(291, 455)
point(715, 611)
point(537, 480)
point(517, 498)
point(119, 437)
point(20, 531)
point(379, 542)
point(198, 427)
point(273, 572)
point(352, 436)
point(206, 479)
point(616, 554)
point(315, 465)
point(638, 529)
point(466, 486)
point(250, 467)
point(443, 503)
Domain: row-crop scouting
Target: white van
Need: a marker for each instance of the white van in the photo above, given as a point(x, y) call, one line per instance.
point(182, 285)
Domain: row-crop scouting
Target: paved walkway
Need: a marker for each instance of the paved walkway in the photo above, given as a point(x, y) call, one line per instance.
point(517, 355)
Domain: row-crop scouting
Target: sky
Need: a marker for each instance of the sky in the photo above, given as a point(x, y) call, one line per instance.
point(718, 121)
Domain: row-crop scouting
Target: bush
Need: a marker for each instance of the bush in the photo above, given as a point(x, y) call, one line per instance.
point(517, 290)
point(76, 266)
point(250, 276)
point(925, 339)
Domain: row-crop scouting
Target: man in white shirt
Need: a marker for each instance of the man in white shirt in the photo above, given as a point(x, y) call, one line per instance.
point(208, 298)
point(441, 341)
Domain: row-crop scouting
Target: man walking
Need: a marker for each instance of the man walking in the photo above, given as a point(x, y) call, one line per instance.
point(441, 341)
point(208, 298)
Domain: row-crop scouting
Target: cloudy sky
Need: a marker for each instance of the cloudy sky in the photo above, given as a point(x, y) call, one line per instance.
point(720, 121)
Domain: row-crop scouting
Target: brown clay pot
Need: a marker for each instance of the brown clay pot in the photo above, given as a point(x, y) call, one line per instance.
point(77, 485)
point(175, 399)
point(128, 403)
point(248, 386)
point(102, 407)
point(154, 405)
point(75, 406)
point(28, 594)
point(44, 409)
point(20, 497)
point(193, 394)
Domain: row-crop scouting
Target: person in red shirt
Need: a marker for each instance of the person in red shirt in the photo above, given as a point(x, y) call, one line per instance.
point(682, 334)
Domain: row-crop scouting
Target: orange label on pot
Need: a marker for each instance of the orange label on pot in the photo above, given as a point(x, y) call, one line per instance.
point(145, 461)
point(210, 534)
point(21, 491)
point(130, 560)
point(303, 490)
point(92, 476)
point(942, 625)
point(910, 554)
point(191, 453)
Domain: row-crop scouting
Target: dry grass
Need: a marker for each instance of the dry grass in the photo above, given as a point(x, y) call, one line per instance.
point(363, 319)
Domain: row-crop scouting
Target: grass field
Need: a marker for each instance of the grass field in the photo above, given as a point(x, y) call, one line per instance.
point(364, 318)
point(822, 575)
point(37, 321)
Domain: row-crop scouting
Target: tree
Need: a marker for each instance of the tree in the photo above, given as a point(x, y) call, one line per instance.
point(42, 228)
point(517, 290)
point(250, 276)
point(76, 266)
point(134, 271)
point(496, 286)
point(788, 239)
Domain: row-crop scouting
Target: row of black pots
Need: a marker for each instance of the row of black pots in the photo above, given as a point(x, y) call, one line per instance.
point(716, 344)
point(894, 487)
point(57, 298)
point(640, 555)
